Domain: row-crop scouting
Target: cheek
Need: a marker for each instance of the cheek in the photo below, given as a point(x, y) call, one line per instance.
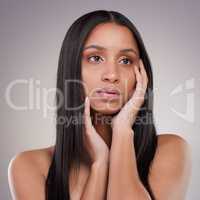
point(131, 90)
point(88, 83)
point(85, 80)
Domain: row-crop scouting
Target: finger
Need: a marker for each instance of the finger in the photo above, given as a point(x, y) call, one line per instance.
point(144, 74)
point(138, 75)
point(141, 71)
point(138, 93)
point(139, 81)
point(87, 118)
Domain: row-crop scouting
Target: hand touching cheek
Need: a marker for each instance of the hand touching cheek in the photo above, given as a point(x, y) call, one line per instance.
point(129, 111)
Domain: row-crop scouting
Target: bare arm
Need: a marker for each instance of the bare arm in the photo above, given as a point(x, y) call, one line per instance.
point(25, 180)
point(123, 180)
point(171, 168)
point(99, 153)
point(97, 182)
point(169, 176)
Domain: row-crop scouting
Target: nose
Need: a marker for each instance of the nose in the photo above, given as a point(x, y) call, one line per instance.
point(111, 74)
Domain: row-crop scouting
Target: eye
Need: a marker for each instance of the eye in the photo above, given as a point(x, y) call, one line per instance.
point(127, 60)
point(96, 58)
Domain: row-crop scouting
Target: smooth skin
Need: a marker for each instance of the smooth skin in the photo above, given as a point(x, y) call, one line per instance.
point(110, 145)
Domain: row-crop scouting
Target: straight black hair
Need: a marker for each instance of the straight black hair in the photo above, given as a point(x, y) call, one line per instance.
point(69, 148)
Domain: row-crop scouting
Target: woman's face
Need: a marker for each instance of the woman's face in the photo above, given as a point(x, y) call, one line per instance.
point(108, 59)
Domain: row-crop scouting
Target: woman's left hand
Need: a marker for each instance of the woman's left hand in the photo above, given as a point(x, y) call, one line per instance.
point(127, 115)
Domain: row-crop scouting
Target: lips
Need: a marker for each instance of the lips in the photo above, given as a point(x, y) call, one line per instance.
point(109, 91)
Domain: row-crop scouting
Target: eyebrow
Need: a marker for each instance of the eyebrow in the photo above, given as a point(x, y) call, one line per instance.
point(103, 48)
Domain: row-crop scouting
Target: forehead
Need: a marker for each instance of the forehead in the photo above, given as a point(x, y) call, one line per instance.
point(112, 36)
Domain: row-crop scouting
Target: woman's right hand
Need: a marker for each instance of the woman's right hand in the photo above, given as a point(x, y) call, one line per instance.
point(95, 145)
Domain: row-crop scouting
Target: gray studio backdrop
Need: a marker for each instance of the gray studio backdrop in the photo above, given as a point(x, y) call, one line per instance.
point(31, 33)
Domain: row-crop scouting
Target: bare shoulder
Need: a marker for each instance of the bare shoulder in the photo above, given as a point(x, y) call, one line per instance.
point(37, 159)
point(169, 138)
point(171, 167)
point(173, 146)
point(27, 171)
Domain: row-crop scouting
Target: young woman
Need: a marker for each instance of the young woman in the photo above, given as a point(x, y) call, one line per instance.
point(113, 152)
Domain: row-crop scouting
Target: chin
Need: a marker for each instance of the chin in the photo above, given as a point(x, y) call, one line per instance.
point(106, 107)
point(106, 111)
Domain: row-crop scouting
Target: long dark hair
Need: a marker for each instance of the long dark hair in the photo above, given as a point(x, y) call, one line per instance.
point(69, 149)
